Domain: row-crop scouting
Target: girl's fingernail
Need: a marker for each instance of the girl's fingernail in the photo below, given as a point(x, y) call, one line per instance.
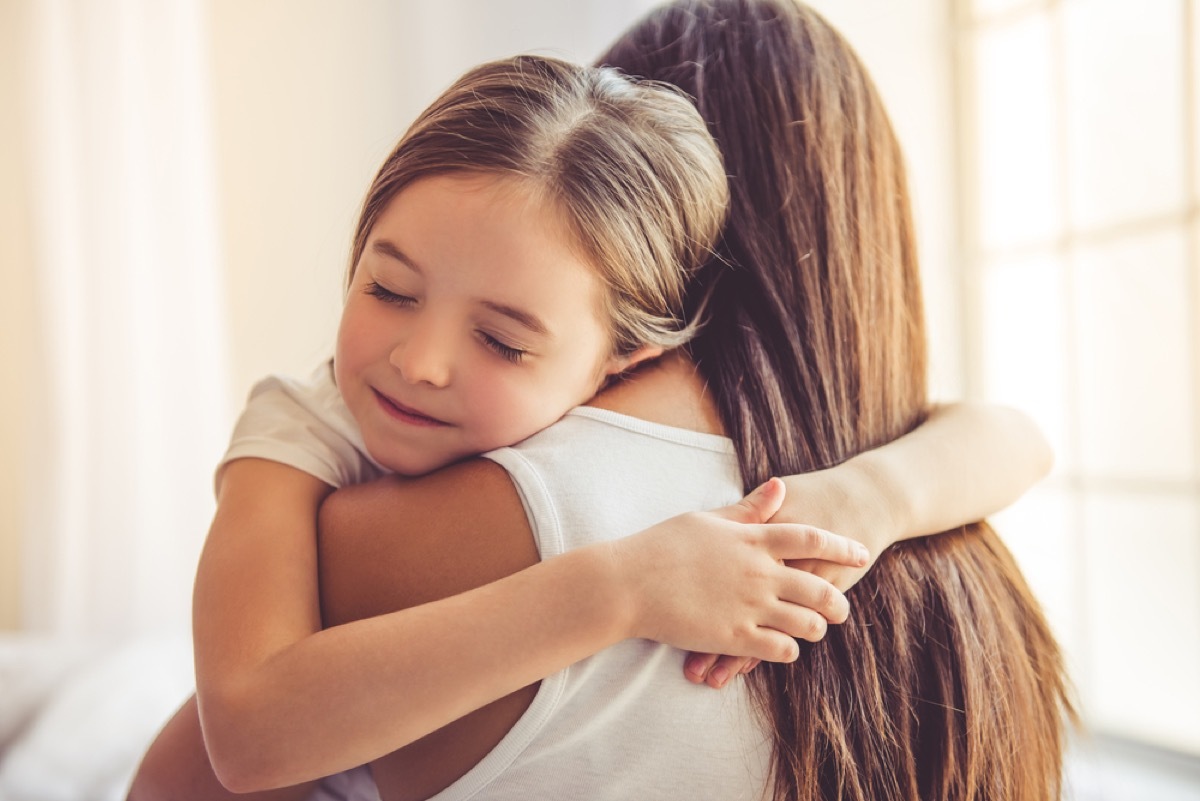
point(720, 675)
point(695, 667)
point(863, 554)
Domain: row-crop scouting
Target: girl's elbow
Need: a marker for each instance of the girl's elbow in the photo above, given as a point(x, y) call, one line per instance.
point(241, 773)
point(234, 768)
point(238, 759)
point(1042, 451)
point(1046, 462)
point(1023, 430)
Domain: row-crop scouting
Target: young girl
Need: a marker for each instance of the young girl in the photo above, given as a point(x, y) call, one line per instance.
point(497, 282)
point(527, 239)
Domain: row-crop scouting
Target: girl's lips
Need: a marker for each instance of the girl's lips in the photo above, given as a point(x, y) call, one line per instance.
point(404, 413)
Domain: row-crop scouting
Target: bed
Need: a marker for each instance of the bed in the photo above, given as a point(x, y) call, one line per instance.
point(76, 716)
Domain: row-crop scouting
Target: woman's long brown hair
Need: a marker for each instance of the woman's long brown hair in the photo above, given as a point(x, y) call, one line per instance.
point(946, 682)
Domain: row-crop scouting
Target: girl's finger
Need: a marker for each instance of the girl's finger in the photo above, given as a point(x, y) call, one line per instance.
point(697, 666)
point(726, 667)
point(798, 622)
point(803, 590)
point(757, 507)
point(786, 541)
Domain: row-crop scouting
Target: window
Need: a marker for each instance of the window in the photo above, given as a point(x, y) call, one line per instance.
point(1080, 143)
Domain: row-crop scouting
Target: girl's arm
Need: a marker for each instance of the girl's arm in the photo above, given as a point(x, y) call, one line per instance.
point(966, 461)
point(282, 702)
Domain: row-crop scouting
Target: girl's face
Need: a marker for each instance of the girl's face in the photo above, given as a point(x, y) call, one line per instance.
point(471, 323)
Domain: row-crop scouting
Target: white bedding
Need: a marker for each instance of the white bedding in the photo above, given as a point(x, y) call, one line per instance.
point(76, 717)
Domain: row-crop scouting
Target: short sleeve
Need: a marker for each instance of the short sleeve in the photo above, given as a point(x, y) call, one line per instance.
point(305, 425)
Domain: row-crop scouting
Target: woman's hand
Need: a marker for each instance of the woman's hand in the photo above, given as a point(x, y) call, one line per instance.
point(719, 581)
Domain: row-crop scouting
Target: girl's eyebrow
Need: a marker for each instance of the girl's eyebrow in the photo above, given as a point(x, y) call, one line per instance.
point(524, 318)
point(386, 248)
point(534, 323)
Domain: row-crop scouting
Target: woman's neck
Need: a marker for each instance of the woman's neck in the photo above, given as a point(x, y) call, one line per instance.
point(667, 390)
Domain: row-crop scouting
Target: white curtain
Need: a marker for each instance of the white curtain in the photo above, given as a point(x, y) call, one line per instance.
point(130, 311)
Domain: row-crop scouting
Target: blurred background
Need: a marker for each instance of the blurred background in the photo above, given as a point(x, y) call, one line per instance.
point(178, 183)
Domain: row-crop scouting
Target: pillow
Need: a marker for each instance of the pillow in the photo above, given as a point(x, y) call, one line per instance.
point(31, 667)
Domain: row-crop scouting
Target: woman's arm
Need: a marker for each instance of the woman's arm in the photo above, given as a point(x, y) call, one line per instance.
point(282, 702)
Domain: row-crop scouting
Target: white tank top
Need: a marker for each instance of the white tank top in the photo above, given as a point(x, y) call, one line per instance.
point(625, 723)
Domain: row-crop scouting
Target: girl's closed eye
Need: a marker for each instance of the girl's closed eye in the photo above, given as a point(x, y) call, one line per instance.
point(507, 352)
point(377, 290)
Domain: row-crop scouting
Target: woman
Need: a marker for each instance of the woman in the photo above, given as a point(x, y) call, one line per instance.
point(813, 352)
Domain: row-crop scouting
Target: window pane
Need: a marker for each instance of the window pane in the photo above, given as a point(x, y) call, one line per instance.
point(1124, 74)
point(1024, 344)
point(1136, 404)
point(1143, 608)
point(1040, 530)
point(1016, 140)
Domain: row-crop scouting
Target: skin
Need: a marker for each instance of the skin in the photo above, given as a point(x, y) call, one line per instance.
point(471, 322)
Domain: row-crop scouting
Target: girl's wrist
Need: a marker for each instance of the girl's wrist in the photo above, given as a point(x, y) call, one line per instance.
point(606, 581)
point(873, 488)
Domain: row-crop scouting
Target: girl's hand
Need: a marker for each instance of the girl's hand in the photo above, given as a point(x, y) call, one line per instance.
point(829, 498)
point(717, 581)
point(715, 670)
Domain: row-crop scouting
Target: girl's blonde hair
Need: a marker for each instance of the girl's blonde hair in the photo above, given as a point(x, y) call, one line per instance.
point(629, 163)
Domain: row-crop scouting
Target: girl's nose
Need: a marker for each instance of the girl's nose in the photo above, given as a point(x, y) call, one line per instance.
point(423, 357)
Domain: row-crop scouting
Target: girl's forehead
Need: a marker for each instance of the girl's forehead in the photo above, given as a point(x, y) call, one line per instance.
point(482, 197)
point(501, 229)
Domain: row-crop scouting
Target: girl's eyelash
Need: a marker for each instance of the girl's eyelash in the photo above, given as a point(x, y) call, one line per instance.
point(507, 352)
point(386, 295)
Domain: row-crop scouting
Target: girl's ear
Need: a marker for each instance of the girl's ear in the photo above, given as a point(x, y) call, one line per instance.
point(619, 364)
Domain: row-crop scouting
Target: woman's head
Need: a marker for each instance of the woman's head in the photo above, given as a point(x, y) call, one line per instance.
point(946, 682)
point(530, 234)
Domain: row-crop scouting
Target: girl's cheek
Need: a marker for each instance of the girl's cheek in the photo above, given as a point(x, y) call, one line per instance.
point(513, 412)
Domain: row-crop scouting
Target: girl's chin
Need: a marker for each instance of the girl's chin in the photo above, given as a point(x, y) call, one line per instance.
point(411, 465)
